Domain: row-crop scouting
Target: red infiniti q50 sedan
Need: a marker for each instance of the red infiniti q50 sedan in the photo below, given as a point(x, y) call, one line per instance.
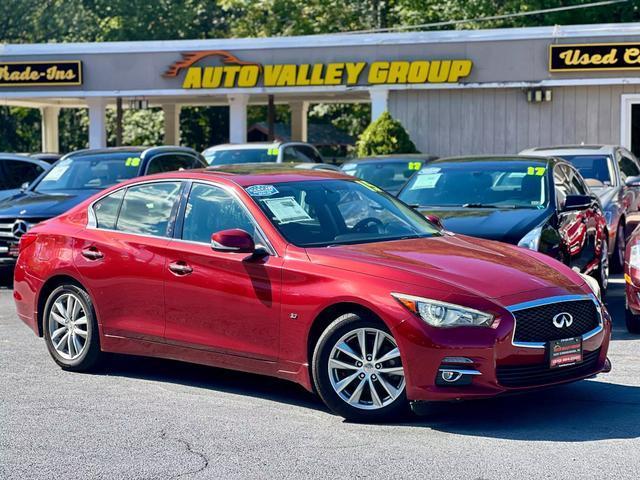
point(310, 276)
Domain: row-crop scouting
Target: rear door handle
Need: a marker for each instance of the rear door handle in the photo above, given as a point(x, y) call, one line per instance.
point(92, 253)
point(180, 268)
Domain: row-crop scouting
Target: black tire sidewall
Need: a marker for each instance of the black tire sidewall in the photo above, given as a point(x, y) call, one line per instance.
point(632, 321)
point(91, 354)
point(338, 328)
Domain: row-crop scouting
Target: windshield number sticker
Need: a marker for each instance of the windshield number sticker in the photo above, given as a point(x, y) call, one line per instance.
point(415, 165)
point(132, 162)
point(537, 171)
point(272, 151)
point(261, 190)
point(287, 210)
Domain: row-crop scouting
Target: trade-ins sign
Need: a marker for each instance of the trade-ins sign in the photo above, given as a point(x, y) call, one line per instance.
point(34, 74)
point(594, 57)
point(235, 73)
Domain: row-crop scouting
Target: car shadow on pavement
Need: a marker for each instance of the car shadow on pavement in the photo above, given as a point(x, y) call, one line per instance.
point(211, 378)
point(584, 411)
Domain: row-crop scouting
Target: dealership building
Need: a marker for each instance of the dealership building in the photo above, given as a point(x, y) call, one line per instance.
point(456, 92)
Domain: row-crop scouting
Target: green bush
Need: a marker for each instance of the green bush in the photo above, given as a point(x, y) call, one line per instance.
point(383, 137)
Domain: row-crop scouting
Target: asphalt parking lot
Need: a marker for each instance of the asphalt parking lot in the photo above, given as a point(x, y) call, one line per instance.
point(142, 418)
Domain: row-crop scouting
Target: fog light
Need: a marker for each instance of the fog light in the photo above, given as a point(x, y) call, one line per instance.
point(455, 376)
point(449, 376)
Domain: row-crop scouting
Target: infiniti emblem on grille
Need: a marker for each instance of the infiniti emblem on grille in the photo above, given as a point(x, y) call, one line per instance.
point(19, 228)
point(562, 320)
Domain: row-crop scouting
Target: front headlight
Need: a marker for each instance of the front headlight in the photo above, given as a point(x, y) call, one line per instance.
point(593, 285)
point(532, 239)
point(443, 315)
point(634, 258)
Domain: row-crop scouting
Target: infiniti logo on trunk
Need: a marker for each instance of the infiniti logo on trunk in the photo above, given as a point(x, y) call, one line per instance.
point(562, 320)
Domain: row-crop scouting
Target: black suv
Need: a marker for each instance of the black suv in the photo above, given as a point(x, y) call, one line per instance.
point(77, 176)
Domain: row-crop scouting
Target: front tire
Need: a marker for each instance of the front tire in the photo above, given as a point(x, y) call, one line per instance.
point(617, 264)
point(71, 330)
point(602, 272)
point(358, 372)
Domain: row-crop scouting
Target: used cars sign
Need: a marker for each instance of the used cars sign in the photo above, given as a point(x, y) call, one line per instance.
point(27, 74)
point(235, 73)
point(590, 57)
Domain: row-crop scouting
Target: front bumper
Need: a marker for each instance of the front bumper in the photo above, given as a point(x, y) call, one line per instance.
point(498, 366)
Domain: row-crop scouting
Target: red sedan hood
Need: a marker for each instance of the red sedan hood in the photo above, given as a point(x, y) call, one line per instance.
point(471, 265)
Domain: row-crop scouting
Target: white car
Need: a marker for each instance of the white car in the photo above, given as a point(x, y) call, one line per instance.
point(259, 152)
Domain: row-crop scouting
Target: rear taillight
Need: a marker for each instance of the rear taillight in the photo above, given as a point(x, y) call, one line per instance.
point(26, 240)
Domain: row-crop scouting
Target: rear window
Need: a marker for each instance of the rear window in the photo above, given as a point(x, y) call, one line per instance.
point(390, 176)
point(594, 167)
point(249, 155)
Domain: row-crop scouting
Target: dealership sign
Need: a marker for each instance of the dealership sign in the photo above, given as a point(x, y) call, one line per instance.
point(28, 74)
point(590, 57)
point(232, 72)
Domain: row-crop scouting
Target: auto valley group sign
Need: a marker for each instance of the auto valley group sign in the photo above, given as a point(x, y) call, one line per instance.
point(198, 71)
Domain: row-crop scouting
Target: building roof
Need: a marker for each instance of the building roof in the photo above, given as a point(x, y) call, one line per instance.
point(328, 40)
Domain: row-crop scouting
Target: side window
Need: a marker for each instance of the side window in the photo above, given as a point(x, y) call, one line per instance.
point(578, 187)
point(106, 210)
point(147, 209)
point(209, 210)
point(171, 163)
point(308, 154)
point(16, 172)
point(628, 167)
point(561, 185)
point(289, 155)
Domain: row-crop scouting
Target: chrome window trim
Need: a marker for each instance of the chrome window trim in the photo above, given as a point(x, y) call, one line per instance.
point(547, 301)
point(461, 371)
point(92, 222)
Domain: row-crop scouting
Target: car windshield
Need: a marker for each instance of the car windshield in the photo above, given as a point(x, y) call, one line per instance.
point(323, 213)
point(90, 172)
point(241, 155)
point(390, 176)
point(479, 184)
point(595, 167)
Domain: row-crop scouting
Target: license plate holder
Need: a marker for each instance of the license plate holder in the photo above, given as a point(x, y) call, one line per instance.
point(565, 352)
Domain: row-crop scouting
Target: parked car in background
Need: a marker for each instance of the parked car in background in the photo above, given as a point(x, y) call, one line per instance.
point(16, 170)
point(272, 152)
point(538, 203)
point(47, 156)
point(371, 307)
point(389, 172)
point(248, 168)
point(632, 282)
point(77, 176)
point(613, 173)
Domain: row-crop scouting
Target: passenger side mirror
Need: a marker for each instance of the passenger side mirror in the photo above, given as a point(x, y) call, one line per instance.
point(233, 240)
point(632, 182)
point(577, 202)
point(435, 219)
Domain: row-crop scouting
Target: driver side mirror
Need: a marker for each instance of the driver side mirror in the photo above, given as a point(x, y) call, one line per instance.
point(632, 182)
point(577, 202)
point(25, 185)
point(435, 219)
point(233, 240)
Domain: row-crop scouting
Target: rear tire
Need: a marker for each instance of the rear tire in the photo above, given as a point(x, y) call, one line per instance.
point(71, 330)
point(633, 321)
point(361, 386)
point(602, 272)
point(617, 259)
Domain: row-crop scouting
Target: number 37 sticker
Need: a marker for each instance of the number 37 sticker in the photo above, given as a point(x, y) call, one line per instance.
point(538, 171)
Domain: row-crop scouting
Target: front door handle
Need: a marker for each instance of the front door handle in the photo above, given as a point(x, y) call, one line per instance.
point(180, 268)
point(92, 253)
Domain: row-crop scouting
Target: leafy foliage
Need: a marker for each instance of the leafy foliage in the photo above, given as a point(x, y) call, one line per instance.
point(383, 137)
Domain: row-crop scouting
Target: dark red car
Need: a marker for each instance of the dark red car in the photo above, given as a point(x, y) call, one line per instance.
point(632, 282)
point(310, 276)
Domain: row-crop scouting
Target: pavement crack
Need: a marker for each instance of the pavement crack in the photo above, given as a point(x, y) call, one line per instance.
point(189, 449)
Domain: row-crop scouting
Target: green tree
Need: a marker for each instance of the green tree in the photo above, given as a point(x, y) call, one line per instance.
point(383, 137)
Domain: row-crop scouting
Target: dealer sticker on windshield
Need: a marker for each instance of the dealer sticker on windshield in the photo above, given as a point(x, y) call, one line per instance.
point(287, 209)
point(261, 190)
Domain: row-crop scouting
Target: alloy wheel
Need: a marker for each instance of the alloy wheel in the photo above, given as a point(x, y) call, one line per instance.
point(365, 369)
point(68, 326)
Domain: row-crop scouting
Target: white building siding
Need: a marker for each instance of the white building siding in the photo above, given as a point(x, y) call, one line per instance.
point(496, 121)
